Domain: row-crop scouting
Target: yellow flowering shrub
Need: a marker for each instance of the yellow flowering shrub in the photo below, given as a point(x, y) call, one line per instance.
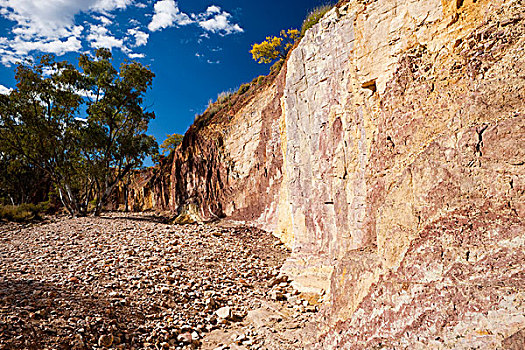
point(274, 46)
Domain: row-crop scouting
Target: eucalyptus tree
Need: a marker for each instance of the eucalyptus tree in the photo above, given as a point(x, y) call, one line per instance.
point(83, 127)
point(116, 121)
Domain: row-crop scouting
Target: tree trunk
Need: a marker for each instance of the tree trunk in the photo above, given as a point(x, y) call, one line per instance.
point(101, 200)
point(126, 201)
point(64, 202)
point(69, 201)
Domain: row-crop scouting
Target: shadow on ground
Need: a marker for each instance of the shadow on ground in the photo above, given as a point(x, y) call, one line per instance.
point(158, 219)
point(35, 315)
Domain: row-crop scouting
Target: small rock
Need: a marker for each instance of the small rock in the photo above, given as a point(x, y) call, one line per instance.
point(186, 328)
point(105, 340)
point(311, 308)
point(224, 312)
point(276, 280)
point(240, 338)
point(276, 295)
point(210, 303)
point(185, 338)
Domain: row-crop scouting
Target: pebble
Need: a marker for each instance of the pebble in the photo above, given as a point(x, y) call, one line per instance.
point(129, 281)
point(105, 340)
point(185, 338)
point(224, 312)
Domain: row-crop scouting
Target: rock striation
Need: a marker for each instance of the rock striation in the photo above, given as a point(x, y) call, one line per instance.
point(389, 155)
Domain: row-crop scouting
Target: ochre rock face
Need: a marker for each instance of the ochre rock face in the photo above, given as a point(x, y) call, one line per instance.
point(147, 189)
point(232, 167)
point(389, 155)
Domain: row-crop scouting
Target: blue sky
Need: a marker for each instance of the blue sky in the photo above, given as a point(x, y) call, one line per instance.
point(197, 49)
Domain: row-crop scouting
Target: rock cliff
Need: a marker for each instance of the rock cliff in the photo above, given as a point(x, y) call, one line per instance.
point(389, 155)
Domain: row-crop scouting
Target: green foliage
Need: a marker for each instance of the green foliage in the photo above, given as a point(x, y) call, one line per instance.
point(243, 89)
point(171, 143)
point(314, 16)
point(23, 212)
point(84, 129)
point(20, 182)
point(276, 67)
point(213, 108)
point(260, 79)
point(274, 46)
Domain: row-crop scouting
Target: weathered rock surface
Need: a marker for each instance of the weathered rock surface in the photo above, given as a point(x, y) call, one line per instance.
point(389, 156)
point(145, 190)
point(231, 167)
point(419, 164)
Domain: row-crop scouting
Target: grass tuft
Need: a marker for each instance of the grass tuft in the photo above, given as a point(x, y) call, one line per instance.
point(314, 16)
point(276, 67)
point(224, 97)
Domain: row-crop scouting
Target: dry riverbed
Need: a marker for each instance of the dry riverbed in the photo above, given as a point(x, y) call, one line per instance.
point(131, 281)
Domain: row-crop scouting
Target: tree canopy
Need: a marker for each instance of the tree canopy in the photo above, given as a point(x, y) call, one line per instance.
point(84, 128)
point(274, 47)
point(171, 143)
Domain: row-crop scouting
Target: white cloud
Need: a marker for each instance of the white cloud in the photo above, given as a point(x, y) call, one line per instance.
point(100, 36)
point(89, 94)
point(167, 14)
point(213, 9)
point(104, 20)
point(8, 58)
point(108, 5)
point(52, 18)
point(5, 90)
point(49, 26)
point(55, 46)
point(141, 38)
point(220, 23)
point(136, 55)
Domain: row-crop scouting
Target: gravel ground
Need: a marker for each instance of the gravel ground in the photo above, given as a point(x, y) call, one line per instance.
point(131, 281)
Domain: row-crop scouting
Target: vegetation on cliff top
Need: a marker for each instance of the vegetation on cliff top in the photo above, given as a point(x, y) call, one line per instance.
point(227, 100)
point(314, 16)
point(277, 47)
point(274, 49)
